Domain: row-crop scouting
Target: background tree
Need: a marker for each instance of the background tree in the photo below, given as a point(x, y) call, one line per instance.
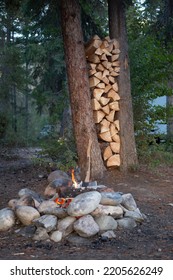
point(117, 29)
point(83, 124)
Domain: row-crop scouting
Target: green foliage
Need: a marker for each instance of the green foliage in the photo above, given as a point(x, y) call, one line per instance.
point(62, 151)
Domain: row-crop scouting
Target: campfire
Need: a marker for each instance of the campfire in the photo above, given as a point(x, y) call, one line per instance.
point(68, 207)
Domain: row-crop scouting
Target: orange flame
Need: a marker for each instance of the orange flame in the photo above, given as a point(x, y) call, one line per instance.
point(73, 179)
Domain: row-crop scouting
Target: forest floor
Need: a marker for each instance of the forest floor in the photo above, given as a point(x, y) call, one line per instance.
point(153, 193)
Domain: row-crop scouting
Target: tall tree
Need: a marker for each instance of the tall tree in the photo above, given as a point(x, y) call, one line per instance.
point(117, 30)
point(82, 116)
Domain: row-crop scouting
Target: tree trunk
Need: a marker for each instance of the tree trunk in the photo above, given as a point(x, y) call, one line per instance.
point(77, 72)
point(117, 29)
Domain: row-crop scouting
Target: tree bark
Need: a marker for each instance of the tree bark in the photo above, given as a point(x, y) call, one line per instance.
point(117, 29)
point(78, 82)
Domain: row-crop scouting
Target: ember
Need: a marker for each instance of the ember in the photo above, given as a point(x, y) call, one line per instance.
point(63, 202)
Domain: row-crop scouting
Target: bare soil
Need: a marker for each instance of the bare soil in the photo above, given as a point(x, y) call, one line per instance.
point(152, 190)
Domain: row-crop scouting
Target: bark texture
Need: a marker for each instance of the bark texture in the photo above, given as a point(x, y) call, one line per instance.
point(117, 29)
point(77, 72)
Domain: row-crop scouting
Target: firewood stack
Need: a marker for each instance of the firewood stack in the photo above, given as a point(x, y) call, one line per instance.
point(104, 67)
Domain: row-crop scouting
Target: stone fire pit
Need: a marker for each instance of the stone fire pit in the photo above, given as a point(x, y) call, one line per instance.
point(87, 211)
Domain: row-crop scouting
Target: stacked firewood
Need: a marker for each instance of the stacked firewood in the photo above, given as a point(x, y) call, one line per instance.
point(104, 67)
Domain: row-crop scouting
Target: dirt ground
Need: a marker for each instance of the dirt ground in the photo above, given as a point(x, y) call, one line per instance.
point(152, 190)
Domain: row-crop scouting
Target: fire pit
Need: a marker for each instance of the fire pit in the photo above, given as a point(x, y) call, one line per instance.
point(68, 206)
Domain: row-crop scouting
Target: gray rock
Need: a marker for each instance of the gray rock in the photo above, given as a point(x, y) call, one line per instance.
point(40, 234)
point(7, 219)
point(126, 223)
point(111, 198)
point(114, 211)
point(57, 211)
point(56, 236)
point(35, 196)
point(86, 226)
point(84, 203)
point(108, 234)
point(13, 203)
point(106, 222)
point(77, 240)
point(66, 225)
point(27, 231)
point(136, 215)
point(55, 186)
point(47, 204)
point(128, 202)
point(56, 175)
point(26, 214)
point(49, 222)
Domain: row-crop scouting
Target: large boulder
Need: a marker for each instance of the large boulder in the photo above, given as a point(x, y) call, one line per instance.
point(84, 203)
point(86, 226)
point(7, 219)
point(106, 222)
point(26, 214)
point(49, 222)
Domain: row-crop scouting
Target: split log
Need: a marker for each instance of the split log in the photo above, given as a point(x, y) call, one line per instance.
point(101, 85)
point(93, 81)
point(116, 138)
point(95, 104)
point(104, 100)
point(98, 75)
point(111, 79)
point(92, 72)
point(115, 147)
point(98, 116)
point(114, 74)
point(107, 153)
point(113, 95)
point(104, 44)
point(103, 129)
point(116, 63)
point(94, 58)
point(105, 123)
point(105, 80)
point(106, 109)
point(111, 115)
point(105, 73)
point(107, 88)
point(92, 45)
point(106, 64)
point(92, 66)
point(115, 51)
point(106, 52)
point(115, 87)
point(113, 161)
point(106, 136)
point(99, 51)
point(103, 57)
point(113, 131)
point(100, 67)
point(97, 93)
point(114, 57)
point(114, 106)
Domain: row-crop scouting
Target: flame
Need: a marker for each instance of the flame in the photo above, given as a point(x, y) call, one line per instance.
point(73, 179)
